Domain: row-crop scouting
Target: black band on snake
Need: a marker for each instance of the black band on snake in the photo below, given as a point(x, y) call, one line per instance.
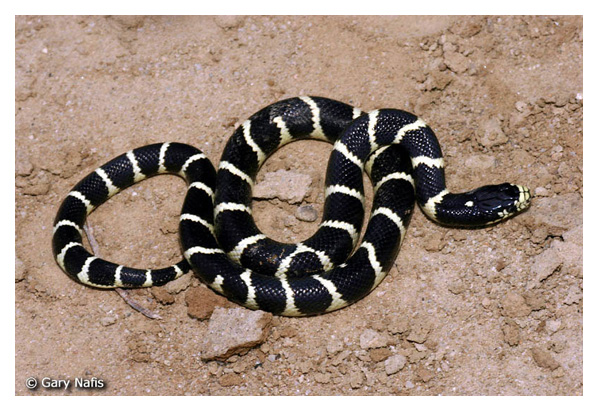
point(221, 241)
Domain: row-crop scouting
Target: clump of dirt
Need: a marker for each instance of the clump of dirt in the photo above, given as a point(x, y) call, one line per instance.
point(496, 311)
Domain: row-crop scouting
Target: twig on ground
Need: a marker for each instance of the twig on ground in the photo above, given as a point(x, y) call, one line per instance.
point(89, 232)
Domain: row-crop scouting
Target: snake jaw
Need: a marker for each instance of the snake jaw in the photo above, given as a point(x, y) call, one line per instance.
point(524, 199)
point(498, 202)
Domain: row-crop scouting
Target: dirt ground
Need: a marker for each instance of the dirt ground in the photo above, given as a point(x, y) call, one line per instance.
point(496, 311)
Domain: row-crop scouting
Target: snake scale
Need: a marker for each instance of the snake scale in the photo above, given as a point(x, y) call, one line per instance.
point(225, 248)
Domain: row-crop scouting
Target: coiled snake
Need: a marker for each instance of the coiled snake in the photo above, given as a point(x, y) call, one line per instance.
point(228, 252)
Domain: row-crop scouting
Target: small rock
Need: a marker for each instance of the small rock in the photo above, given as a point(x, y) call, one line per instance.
point(234, 331)
point(398, 325)
point(379, 354)
point(514, 305)
point(37, 186)
point(334, 346)
point(564, 256)
point(554, 215)
point(289, 221)
point(492, 134)
point(574, 295)
point(285, 185)
point(306, 213)
point(418, 334)
point(420, 347)
point(394, 364)
point(544, 359)
point(356, 379)
point(339, 358)
point(457, 287)
point(23, 166)
point(455, 61)
point(511, 334)
point(230, 380)
point(521, 106)
point(163, 296)
point(553, 326)
point(201, 302)
point(435, 242)
point(322, 378)
point(372, 339)
point(424, 374)
point(178, 285)
point(535, 300)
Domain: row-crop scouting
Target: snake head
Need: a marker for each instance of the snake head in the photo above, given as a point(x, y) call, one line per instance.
point(494, 203)
point(484, 206)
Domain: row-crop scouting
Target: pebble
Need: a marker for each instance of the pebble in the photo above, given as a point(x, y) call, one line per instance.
point(435, 242)
point(356, 379)
point(394, 364)
point(521, 106)
point(322, 378)
point(230, 380)
point(543, 358)
point(492, 134)
point(457, 287)
point(418, 334)
point(234, 331)
point(201, 302)
point(424, 374)
point(555, 215)
point(287, 186)
point(37, 186)
point(379, 354)
point(564, 256)
point(306, 213)
point(574, 295)
point(372, 339)
point(178, 285)
point(23, 166)
point(455, 61)
point(162, 296)
point(553, 326)
point(334, 346)
point(399, 325)
point(511, 334)
point(514, 305)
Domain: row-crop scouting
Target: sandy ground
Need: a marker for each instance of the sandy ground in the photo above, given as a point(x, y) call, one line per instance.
point(496, 311)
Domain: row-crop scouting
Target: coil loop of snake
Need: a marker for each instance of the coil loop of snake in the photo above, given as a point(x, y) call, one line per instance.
point(228, 252)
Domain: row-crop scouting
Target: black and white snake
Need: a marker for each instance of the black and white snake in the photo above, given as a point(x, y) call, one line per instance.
point(228, 252)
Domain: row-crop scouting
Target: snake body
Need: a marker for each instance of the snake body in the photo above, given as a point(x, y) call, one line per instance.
point(225, 248)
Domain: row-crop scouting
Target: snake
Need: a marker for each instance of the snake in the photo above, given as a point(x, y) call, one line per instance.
point(221, 242)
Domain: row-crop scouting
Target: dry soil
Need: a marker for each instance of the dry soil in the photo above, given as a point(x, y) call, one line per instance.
point(496, 311)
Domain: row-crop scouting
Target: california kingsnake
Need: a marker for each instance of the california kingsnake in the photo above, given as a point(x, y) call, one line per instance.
point(313, 276)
